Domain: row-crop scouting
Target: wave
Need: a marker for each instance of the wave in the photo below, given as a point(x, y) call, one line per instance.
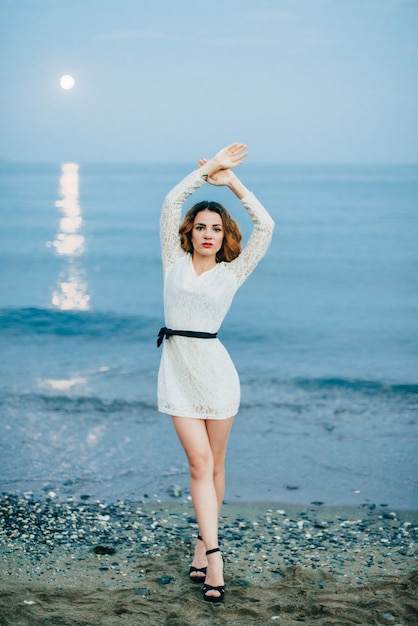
point(357, 385)
point(315, 385)
point(75, 404)
point(258, 391)
point(33, 321)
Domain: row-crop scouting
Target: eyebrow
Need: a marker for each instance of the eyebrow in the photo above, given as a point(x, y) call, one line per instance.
point(202, 224)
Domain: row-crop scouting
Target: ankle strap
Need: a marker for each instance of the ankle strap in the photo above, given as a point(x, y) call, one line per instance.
point(212, 551)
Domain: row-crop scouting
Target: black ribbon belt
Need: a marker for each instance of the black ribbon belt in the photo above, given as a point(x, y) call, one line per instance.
point(168, 332)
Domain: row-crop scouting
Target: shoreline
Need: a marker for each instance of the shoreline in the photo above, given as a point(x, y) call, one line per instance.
point(92, 563)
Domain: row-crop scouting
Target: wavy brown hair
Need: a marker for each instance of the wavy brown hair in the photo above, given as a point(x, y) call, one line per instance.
point(231, 245)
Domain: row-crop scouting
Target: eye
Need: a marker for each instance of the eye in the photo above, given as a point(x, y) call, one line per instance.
point(217, 229)
point(199, 227)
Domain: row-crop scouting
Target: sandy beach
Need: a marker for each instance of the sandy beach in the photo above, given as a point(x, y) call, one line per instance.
point(91, 563)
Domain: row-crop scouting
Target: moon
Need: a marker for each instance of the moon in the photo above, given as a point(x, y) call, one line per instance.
point(67, 82)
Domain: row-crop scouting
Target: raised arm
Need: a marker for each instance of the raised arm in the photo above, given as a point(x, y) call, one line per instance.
point(261, 236)
point(226, 158)
point(171, 216)
point(259, 241)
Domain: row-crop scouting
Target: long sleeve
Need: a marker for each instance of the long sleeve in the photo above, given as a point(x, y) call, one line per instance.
point(259, 241)
point(171, 216)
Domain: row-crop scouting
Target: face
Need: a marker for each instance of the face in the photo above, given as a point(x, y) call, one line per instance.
point(207, 233)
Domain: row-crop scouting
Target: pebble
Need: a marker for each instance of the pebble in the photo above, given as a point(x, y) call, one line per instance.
point(242, 583)
point(389, 515)
point(141, 592)
point(175, 491)
point(166, 580)
point(103, 550)
point(305, 537)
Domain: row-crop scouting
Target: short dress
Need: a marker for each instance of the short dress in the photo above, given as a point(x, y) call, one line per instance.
point(197, 377)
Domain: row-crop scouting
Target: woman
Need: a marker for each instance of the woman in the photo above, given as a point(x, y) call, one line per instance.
point(197, 381)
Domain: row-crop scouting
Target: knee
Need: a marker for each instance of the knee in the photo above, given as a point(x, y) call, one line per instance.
point(201, 466)
point(218, 466)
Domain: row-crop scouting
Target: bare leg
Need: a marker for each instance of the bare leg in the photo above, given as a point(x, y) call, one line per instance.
point(218, 439)
point(205, 442)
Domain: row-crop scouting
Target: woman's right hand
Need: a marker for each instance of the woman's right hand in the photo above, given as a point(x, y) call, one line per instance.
point(224, 178)
point(219, 178)
point(225, 159)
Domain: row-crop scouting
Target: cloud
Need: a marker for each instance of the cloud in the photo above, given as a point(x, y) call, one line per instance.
point(308, 41)
point(273, 15)
point(130, 34)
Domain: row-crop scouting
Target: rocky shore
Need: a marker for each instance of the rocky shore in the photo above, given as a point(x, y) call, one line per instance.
point(92, 563)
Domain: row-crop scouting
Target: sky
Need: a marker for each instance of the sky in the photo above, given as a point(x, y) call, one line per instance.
point(299, 81)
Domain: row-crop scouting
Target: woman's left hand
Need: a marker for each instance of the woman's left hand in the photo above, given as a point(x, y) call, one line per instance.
point(219, 178)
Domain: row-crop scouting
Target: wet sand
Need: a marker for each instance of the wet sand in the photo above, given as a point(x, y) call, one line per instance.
point(82, 564)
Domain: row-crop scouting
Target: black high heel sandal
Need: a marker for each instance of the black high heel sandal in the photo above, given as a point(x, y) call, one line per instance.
point(220, 589)
point(193, 570)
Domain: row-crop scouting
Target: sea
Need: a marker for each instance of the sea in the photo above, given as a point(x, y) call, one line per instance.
point(324, 335)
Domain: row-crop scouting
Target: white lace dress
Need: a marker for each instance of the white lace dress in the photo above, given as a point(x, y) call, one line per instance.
point(197, 377)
